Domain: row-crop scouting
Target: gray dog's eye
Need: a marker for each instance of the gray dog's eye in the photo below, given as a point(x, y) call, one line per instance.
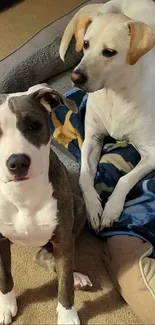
point(34, 126)
point(86, 45)
point(109, 53)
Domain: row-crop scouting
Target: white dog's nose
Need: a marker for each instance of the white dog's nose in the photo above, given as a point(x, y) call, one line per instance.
point(18, 164)
point(78, 77)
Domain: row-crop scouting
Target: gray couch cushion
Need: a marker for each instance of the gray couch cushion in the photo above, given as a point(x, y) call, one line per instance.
point(38, 59)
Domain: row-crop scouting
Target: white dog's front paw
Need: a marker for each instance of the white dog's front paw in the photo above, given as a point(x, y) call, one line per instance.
point(81, 281)
point(8, 307)
point(94, 208)
point(111, 213)
point(67, 316)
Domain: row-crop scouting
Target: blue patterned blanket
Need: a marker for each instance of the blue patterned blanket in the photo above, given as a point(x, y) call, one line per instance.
point(117, 159)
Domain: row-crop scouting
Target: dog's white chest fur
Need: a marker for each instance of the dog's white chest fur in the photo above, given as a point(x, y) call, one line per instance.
point(113, 112)
point(28, 217)
point(121, 118)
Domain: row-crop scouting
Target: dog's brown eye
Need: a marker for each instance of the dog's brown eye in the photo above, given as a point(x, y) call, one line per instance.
point(34, 126)
point(109, 53)
point(86, 45)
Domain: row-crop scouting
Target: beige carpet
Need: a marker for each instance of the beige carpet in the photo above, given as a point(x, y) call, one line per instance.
point(37, 289)
point(22, 21)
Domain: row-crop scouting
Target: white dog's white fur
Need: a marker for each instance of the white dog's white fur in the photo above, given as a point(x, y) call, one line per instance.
point(121, 99)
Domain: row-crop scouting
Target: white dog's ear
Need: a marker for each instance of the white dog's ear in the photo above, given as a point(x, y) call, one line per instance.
point(80, 26)
point(50, 98)
point(142, 40)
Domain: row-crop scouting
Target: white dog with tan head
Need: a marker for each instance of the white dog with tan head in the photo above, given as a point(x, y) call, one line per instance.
point(118, 72)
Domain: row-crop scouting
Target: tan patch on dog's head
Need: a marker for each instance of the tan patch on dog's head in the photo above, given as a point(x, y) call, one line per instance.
point(80, 26)
point(142, 40)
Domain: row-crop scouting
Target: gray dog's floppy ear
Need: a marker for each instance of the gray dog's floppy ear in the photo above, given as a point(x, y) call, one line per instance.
point(50, 98)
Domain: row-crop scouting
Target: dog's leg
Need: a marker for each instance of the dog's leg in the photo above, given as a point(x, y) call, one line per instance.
point(90, 156)
point(8, 304)
point(115, 204)
point(63, 251)
point(45, 258)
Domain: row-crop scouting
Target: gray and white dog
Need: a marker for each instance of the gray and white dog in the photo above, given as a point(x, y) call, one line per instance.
point(37, 205)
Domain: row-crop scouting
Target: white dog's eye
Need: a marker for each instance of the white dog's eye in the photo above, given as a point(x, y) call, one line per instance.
point(109, 53)
point(86, 45)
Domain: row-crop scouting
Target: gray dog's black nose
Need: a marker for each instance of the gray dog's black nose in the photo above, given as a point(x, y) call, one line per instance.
point(18, 164)
point(78, 77)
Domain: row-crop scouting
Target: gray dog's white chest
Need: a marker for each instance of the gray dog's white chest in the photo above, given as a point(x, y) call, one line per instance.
point(30, 225)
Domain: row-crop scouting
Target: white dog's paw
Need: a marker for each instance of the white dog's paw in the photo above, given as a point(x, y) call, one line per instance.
point(67, 316)
point(8, 307)
point(94, 208)
point(111, 213)
point(81, 281)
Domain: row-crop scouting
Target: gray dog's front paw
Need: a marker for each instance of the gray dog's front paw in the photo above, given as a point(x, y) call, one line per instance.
point(8, 307)
point(67, 316)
